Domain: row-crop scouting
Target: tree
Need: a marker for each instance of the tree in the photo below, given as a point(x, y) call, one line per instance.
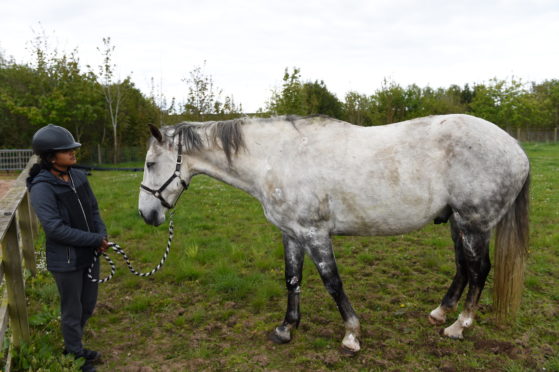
point(301, 98)
point(505, 103)
point(204, 99)
point(356, 109)
point(51, 90)
point(547, 95)
point(136, 111)
point(112, 90)
point(291, 99)
point(159, 100)
point(319, 100)
point(388, 104)
point(3, 60)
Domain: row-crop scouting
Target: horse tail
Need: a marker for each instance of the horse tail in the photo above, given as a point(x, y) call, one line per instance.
point(511, 251)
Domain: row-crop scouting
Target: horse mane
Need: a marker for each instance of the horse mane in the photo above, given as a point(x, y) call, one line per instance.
point(228, 135)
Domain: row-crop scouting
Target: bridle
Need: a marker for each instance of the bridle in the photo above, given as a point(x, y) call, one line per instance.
point(176, 174)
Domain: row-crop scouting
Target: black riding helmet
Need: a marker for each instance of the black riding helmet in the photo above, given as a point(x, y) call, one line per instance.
point(53, 138)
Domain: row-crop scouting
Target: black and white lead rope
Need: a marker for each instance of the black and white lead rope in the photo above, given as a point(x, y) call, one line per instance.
point(115, 247)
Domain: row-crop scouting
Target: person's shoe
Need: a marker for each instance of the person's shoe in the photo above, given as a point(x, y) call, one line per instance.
point(88, 367)
point(90, 356)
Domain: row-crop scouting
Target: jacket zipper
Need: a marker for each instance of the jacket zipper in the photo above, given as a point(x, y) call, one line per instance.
point(79, 202)
point(81, 207)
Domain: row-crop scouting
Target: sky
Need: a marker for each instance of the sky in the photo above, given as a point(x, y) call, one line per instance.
point(247, 44)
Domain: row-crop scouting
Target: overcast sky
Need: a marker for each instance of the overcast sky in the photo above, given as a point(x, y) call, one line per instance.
point(351, 45)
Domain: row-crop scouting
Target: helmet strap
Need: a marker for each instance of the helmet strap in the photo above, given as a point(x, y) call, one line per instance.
point(60, 172)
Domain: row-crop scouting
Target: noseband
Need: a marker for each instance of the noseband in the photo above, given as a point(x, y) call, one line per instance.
point(176, 174)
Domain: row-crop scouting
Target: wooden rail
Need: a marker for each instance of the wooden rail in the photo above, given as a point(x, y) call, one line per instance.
point(18, 230)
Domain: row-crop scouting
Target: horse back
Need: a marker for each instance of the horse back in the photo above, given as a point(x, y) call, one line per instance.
point(388, 179)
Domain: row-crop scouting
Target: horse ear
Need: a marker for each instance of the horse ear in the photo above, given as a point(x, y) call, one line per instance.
point(155, 132)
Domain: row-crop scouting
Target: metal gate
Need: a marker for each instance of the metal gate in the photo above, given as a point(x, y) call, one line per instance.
point(14, 160)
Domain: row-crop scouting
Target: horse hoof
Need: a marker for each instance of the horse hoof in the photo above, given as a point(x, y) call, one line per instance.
point(437, 316)
point(348, 352)
point(279, 337)
point(435, 321)
point(351, 343)
point(455, 337)
point(444, 333)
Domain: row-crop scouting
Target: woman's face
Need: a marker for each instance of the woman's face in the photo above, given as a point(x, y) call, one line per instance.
point(65, 158)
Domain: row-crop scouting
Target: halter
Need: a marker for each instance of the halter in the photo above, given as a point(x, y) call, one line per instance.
point(176, 174)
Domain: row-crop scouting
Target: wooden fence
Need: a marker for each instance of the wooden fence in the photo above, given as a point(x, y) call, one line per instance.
point(18, 230)
point(549, 135)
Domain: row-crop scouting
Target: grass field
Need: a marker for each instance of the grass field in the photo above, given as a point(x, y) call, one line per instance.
point(221, 292)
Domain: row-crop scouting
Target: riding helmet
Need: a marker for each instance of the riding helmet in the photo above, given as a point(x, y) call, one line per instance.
point(53, 138)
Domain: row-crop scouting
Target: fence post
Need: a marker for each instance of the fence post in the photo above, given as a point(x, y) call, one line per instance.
point(26, 234)
point(555, 135)
point(33, 220)
point(99, 154)
point(13, 272)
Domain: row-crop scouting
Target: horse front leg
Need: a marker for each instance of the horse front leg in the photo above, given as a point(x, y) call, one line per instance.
point(320, 249)
point(294, 256)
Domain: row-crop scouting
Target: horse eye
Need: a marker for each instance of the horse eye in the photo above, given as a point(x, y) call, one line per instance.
point(150, 164)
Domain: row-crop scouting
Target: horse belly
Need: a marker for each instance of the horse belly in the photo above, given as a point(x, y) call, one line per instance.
point(395, 218)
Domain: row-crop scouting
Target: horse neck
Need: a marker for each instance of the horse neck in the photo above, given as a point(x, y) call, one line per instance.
point(239, 173)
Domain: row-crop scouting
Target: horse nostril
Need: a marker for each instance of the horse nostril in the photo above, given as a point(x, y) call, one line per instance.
point(153, 218)
point(140, 212)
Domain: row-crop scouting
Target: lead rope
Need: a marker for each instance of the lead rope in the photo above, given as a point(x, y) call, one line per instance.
point(115, 247)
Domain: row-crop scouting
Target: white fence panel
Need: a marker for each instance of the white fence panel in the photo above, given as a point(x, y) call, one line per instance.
point(14, 160)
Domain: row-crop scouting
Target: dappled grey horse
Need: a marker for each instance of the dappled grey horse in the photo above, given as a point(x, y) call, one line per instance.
point(317, 177)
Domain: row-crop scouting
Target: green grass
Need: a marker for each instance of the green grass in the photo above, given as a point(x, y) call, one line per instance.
point(222, 291)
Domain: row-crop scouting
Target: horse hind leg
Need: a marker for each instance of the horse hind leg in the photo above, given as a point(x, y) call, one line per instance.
point(450, 300)
point(476, 256)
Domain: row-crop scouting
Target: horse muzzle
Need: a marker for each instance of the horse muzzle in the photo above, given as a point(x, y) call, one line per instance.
point(153, 217)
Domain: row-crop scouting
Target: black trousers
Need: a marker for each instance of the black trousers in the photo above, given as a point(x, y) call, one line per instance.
point(78, 296)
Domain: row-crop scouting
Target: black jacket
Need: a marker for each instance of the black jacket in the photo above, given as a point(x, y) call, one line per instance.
point(70, 218)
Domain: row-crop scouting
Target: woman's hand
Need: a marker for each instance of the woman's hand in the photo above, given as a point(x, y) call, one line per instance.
point(104, 246)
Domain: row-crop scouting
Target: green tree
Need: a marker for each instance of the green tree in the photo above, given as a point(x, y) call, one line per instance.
point(547, 95)
point(388, 103)
point(73, 101)
point(291, 99)
point(204, 98)
point(356, 109)
point(136, 111)
point(300, 98)
point(18, 107)
point(52, 90)
point(319, 100)
point(505, 103)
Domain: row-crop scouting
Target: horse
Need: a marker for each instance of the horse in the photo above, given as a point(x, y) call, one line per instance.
point(317, 177)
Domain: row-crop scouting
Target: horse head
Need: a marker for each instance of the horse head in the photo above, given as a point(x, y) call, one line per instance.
point(166, 176)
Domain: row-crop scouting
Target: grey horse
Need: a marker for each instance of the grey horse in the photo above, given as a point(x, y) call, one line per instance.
point(317, 177)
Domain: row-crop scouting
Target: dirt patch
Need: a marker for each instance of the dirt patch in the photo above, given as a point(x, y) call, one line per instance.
point(5, 186)
point(497, 347)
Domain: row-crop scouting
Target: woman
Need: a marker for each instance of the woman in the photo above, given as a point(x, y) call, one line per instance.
point(68, 211)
